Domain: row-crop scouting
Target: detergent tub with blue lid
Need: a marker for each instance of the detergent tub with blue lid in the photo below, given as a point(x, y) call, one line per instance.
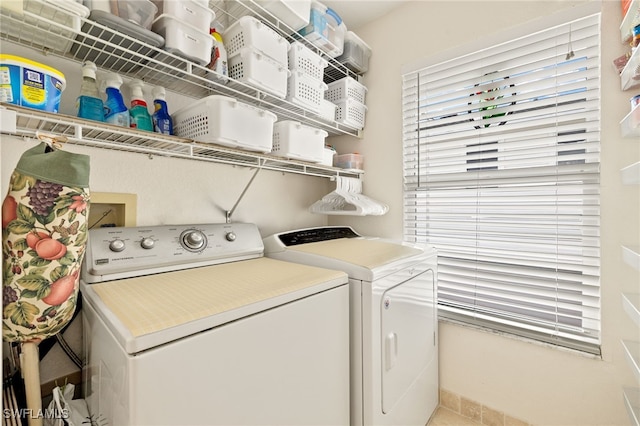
point(30, 84)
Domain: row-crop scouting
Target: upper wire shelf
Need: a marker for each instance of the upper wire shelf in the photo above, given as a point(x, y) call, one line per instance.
point(46, 27)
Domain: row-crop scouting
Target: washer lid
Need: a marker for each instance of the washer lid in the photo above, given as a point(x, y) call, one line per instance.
point(356, 256)
point(147, 311)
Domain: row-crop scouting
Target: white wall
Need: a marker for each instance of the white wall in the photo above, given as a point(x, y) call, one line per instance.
point(179, 191)
point(543, 385)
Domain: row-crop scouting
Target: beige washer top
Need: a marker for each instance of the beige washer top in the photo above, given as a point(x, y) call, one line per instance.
point(150, 304)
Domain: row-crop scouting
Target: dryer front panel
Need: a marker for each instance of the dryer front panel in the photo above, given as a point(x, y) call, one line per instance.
point(408, 335)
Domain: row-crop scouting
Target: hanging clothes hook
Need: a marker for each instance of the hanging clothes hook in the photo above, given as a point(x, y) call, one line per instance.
point(53, 141)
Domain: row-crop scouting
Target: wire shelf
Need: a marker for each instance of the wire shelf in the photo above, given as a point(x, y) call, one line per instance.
point(30, 122)
point(49, 30)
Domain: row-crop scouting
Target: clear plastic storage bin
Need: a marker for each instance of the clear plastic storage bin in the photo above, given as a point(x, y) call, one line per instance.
point(305, 91)
point(254, 68)
point(325, 30)
point(139, 12)
point(356, 53)
point(61, 21)
point(293, 13)
point(226, 121)
point(349, 161)
point(292, 139)
point(346, 88)
point(351, 113)
point(249, 32)
point(303, 59)
point(194, 12)
point(183, 40)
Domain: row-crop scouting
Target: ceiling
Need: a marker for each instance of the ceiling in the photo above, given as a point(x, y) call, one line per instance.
point(356, 13)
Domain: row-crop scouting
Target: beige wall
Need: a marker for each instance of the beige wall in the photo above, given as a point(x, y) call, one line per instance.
point(543, 385)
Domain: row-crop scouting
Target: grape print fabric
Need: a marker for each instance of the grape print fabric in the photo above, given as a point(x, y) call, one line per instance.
point(44, 233)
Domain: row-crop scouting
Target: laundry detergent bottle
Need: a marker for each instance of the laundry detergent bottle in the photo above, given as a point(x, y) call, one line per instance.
point(162, 122)
point(89, 104)
point(218, 56)
point(140, 117)
point(115, 110)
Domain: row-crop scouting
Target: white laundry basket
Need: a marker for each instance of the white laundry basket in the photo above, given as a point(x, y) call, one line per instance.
point(292, 139)
point(226, 121)
point(305, 91)
point(346, 88)
point(250, 32)
point(258, 70)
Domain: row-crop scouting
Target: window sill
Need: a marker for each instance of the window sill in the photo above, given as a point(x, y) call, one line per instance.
point(520, 338)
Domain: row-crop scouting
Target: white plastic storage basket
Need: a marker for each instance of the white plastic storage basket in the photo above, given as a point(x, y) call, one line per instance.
point(194, 12)
point(346, 88)
point(292, 139)
point(253, 68)
point(183, 40)
point(305, 91)
point(351, 113)
point(226, 121)
point(327, 110)
point(249, 32)
point(293, 13)
point(303, 59)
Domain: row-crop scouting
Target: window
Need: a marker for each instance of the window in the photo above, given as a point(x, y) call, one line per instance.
point(501, 175)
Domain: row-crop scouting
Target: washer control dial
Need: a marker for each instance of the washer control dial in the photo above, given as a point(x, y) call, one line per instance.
point(117, 246)
point(231, 236)
point(193, 240)
point(147, 243)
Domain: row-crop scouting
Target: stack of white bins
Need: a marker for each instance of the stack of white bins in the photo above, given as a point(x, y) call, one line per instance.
point(184, 25)
point(257, 56)
point(349, 96)
point(305, 87)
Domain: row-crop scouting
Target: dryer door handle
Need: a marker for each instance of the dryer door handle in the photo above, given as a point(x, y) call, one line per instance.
point(391, 350)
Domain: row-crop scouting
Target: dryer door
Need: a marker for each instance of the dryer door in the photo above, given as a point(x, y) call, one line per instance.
point(407, 324)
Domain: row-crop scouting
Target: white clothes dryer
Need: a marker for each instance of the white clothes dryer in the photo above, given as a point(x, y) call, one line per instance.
point(191, 325)
point(393, 317)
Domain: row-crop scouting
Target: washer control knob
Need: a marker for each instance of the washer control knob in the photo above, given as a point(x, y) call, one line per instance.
point(147, 243)
point(194, 240)
point(116, 245)
point(231, 236)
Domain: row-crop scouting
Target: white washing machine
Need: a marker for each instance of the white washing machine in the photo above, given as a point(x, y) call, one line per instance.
point(394, 341)
point(191, 325)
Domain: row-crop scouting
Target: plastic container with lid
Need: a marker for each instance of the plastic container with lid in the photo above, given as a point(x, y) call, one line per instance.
point(356, 53)
point(325, 30)
point(139, 12)
point(30, 84)
point(293, 13)
point(353, 161)
point(183, 39)
point(194, 12)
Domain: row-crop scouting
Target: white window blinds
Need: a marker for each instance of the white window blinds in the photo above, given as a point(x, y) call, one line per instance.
point(501, 174)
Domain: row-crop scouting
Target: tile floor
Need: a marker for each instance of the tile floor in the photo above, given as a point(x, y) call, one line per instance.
point(445, 417)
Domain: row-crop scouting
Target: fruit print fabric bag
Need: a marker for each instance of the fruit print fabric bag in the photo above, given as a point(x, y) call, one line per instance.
point(44, 233)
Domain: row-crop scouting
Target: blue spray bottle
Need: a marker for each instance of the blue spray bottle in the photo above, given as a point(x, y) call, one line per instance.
point(115, 110)
point(162, 121)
